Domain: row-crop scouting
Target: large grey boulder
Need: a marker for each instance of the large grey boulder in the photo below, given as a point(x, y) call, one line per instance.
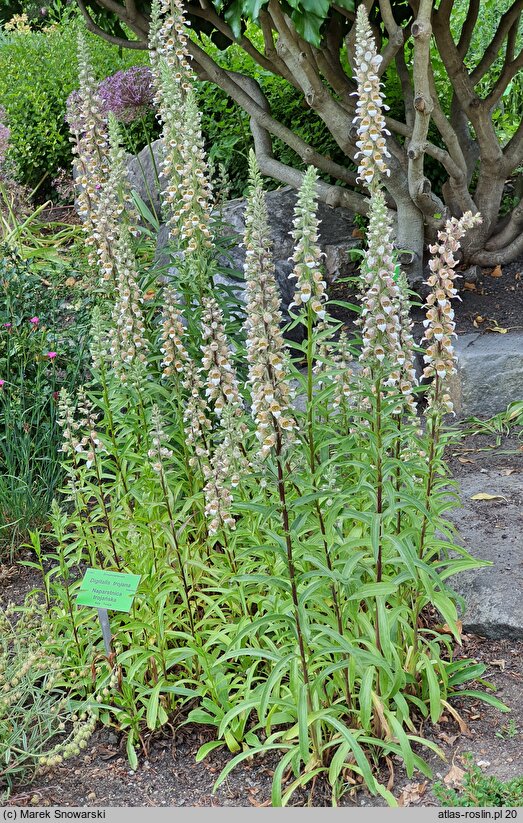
point(336, 241)
point(489, 373)
point(492, 530)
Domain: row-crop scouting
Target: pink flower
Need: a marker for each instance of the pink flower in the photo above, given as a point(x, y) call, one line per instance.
point(51, 355)
point(7, 325)
point(34, 320)
point(2, 383)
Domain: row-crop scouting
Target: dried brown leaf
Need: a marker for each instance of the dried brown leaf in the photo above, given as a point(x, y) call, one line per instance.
point(487, 496)
point(496, 272)
point(450, 739)
point(464, 729)
point(412, 794)
point(454, 777)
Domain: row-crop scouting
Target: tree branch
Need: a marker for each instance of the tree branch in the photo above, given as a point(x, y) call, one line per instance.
point(445, 9)
point(510, 231)
point(513, 151)
point(270, 49)
point(419, 186)
point(247, 93)
point(395, 33)
point(111, 38)
point(333, 196)
point(207, 12)
point(509, 71)
point(468, 28)
point(453, 160)
point(406, 87)
point(464, 91)
point(297, 56)
point(492, 50)
point(500, 256)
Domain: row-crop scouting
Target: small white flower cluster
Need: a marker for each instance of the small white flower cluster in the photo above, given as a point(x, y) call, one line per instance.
point(220, 375)
point(343, 379)
point(114, 203)
point(99, 341)
point(88, 419)
point(439, 323)
point(307, 257)
point(128, 342)
point(158, 451)
point(404, 375)
point(369, 117)
point(381, 298)
point(223, 470)
point(86, 445)
point(217, 494)
point(271, 396)
point(197, 424)
point(91, 151)
point(168, 39)
point(188, 192)
point(177, 361)
point(192, 197)
point(175, 355)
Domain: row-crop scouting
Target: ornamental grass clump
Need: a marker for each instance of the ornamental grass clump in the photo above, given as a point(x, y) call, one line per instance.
point(284, 511)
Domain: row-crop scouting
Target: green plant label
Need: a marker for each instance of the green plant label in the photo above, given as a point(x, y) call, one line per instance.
point(108, 590)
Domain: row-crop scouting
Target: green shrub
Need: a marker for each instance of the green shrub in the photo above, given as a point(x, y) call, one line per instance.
point(38, 71)
point(481, 790)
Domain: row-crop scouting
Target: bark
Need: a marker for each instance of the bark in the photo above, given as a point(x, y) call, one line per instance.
point(409, 239)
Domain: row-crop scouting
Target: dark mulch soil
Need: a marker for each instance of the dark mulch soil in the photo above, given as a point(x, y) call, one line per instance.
point(492, 304)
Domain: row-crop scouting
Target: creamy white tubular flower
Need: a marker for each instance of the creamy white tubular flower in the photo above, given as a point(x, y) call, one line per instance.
point(266, 355)
point(439, 323)
point(369, 120)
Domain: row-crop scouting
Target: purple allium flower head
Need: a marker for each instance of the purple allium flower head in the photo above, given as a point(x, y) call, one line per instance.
point(128, 93)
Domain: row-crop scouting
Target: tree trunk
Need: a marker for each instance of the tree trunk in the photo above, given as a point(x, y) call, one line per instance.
point(410, 241)
point(410, 229)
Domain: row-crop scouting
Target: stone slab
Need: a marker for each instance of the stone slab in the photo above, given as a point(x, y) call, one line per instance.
point(492, 530)
point(489, 373)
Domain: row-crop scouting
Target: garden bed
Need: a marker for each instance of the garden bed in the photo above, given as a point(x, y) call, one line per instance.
point(169, 775)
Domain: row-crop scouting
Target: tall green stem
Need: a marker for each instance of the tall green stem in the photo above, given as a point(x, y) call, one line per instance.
point(379, 497)
point(292, 579)
point(312, 465)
